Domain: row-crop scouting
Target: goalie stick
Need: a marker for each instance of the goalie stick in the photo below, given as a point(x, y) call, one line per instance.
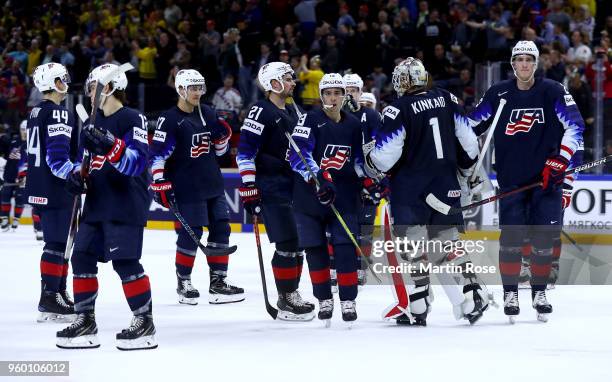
point(445, 209)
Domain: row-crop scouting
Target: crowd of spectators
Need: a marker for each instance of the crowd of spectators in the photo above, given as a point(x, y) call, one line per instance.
point(229, 40)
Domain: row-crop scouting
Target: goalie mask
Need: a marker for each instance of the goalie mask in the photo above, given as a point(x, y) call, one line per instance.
point(409, 76)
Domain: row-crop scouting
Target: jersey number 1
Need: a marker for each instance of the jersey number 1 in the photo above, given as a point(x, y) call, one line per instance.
point(435, 126)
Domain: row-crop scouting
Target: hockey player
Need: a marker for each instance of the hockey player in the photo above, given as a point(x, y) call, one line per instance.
point(14, 173)
point(419, 143)
point(185, 171)
point(267, 183)
point(538, 132)
point(368, 100)
point(330, 140)
point(370, 124)
point(114, 216)
point(51, 149)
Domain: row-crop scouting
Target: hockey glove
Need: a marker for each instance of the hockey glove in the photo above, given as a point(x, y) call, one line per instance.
point(568, 189)
point(75, 184)
point(222, 138)
point(372, 191)
point(103, 143)
point(553, 172)
point(350, 103)
point(162, 192)
point(251, 198)
point(326, 193)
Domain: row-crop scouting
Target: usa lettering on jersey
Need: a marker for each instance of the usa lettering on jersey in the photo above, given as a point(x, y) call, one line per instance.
point(200, 144)
point(522, 120)
point(335, 156)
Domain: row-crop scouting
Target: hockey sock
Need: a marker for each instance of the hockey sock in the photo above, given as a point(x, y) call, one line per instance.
point(284, 266)
point(5, 209)
point(52, 266)
point(218, 237)
point(346, 271)
point(510, 267)
point(541, 264)
point(36, 220)
point(84, 281)
point(332, 258)
point(556, 253)
point(318, 264)
point(300, 265)
point(64, 275)
point(186, 251)
point(136, 286)
point(18, 210)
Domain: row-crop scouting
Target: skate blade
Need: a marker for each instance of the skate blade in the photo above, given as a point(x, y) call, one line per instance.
point(188, 301)
point(349, 324)
point(225, 299)
point(512, 319)
point(542, 317)
point(327, 323)
point(80, 342)
point(334, 289)
point(55, 318)
point(288, 316)
point(142, 343)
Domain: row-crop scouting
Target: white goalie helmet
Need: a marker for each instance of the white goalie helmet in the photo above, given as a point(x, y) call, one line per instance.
point(189, 77)
point(46, 74)
point(119, 82)
point(409, 75)
point(329, 81)
point(353, 80)
point(273, 71)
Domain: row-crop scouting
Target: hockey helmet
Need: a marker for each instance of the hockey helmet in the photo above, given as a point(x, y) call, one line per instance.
point(119, 82)
point(46, 74)
point(353, 80)
point(409, 75)
point(329, 81)
point(273, 71)
point(189, 77)
point(525, 47)
point(368, 97)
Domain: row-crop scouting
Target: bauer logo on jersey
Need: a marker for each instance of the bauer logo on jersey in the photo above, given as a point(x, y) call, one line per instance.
point(200, 144)
point(522, 120)
point(335, 157)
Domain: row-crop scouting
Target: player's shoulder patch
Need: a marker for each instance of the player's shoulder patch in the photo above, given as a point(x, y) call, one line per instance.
point(301, 131)
point(391, 112)
point(252, 126)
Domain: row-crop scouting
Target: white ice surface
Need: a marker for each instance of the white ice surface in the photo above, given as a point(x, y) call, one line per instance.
point(239, 342)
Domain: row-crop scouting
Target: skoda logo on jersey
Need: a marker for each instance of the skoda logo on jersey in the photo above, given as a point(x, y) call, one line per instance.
point(522, 120)
point(200, 144)
point(335, 157)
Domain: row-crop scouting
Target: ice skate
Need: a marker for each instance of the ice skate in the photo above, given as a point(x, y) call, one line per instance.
point(476, 302)
point(362, 278)
point(81, 334)
point(221, 292)
point(291, 307)
point(349, 312)
point(15, 224)
point(4, 224)
point(39, 235)
point(541, 305)
point(53, 308)
point(139, 336)
point(326, 310)
point(511, 305)
point(67, 298)
point(187, 294)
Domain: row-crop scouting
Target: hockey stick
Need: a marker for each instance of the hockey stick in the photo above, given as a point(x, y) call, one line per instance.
point(331, 205)
point(269, 308)
point(75, 216)
point(487, 141)
point(192, 235)
point(444, 208)
point(402, 299)
point(571, 240)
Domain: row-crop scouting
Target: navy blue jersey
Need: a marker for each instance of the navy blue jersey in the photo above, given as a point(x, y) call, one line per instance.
point(534, 124)
point(117, 192)
point(421, 132)
point(16, 159)
point(371, 122)
point(331, 146)
point(184, 149)
point(262, 150)
point(51, 147)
